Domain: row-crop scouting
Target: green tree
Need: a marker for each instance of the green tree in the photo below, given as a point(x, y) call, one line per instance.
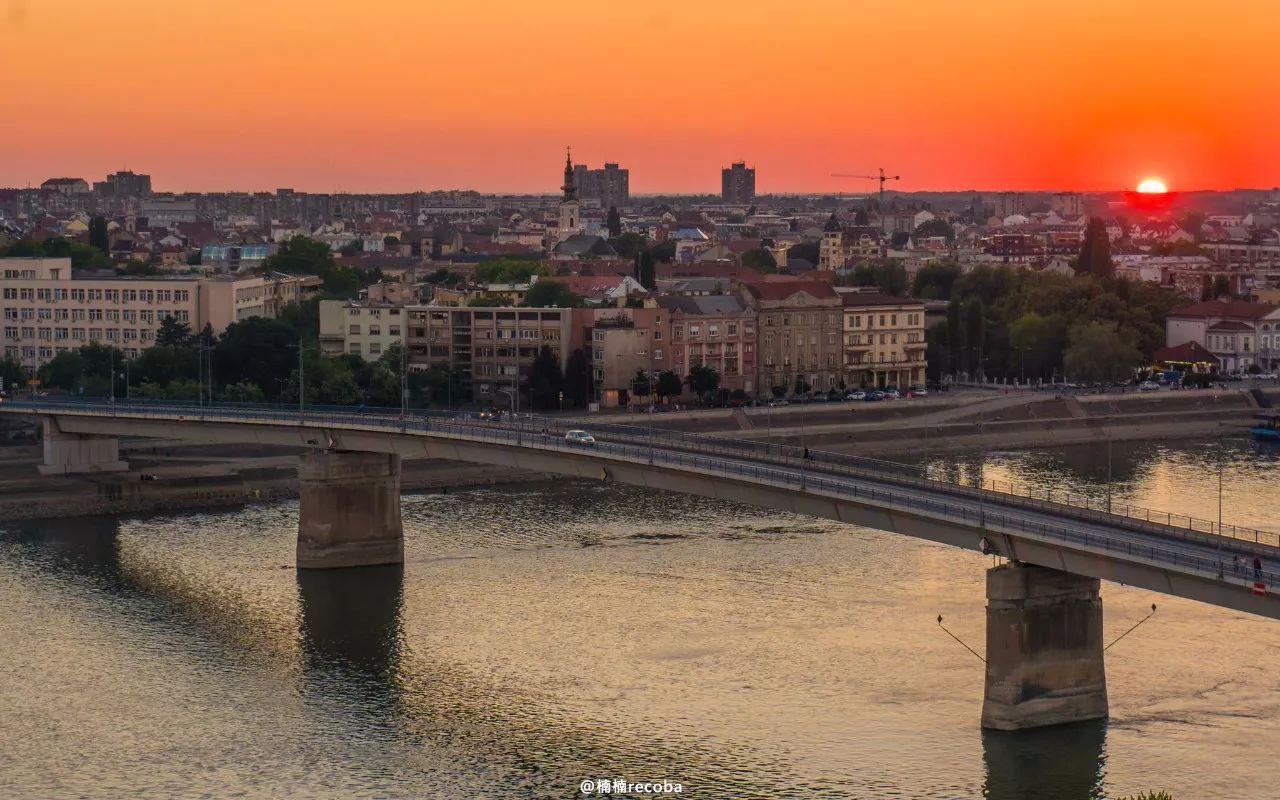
point(173, 333)
point(614, 223)
point(955, 335)
point(860, 217)
point(809, 251)
point(975, 332)
point(1095, 251)
point(760, 260)
point(1100, 351)
point(546, 380)
point(164, 363)
point(300, 255)
point(1221, 287)
point(550, 294)
point(802, 386)
point(98, 236)
point(442, 385)
point(140, 269)
point(12, 374)
point(899, 239)
point(669, 385)
point(646, 272)
point(258, 350)
point(935, 227)
point(508, 270)
point(443, 277)
point(628, 245)
point(640, 384)
point(665, 252)
point(889, 276)
point(243, 392)
point(702, 380)
point(934, 281)
point(577, 379)
point(1038, 343)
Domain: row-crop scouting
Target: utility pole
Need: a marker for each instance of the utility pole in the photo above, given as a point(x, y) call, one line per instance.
point(404, 380)
point(302, 382)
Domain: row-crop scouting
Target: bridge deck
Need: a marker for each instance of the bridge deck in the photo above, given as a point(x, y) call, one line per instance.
point(1182, 561)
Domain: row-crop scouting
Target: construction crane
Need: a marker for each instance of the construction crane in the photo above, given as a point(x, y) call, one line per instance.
point(881, 177)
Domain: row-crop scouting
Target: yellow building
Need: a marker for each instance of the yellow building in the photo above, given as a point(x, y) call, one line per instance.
point(883, 340)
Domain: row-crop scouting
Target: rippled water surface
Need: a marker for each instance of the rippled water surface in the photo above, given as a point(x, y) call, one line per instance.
point(541, 635)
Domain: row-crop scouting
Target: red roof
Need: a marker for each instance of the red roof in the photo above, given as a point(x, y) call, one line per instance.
point(1187, 352)
point(781, 290)
point(1240, 309)
point(876, 299)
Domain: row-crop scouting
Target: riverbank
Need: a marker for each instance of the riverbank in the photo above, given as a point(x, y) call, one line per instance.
point(189, 477)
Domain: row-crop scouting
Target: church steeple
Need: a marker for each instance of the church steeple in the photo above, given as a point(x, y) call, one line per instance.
point(570, 186)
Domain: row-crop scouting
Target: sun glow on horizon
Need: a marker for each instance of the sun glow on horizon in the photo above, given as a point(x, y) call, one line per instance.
point(1152, 186)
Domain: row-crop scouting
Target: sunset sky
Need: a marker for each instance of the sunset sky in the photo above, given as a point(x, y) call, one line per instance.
point(399, 95)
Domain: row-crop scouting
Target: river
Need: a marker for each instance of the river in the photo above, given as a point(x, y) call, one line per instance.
point(541, 635)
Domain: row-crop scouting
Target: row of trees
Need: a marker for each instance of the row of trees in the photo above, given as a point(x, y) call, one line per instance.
point(1015, 323)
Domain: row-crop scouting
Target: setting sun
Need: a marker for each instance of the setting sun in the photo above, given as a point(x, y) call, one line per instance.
point(1152, 186)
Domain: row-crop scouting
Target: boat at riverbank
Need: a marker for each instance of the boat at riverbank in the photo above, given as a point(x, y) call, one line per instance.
point(1266, 428)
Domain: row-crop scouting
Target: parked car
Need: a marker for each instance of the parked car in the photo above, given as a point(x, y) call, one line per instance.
point(919, 391)
point(892, 394)
point(579, 437)
point(873, 396)
point(1148, 386)
point(1267, 376)
point(856, 394)
point(778, 402)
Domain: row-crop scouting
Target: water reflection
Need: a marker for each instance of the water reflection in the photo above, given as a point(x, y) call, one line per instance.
point(1060, 763)
point(352, 628)
point(81, 547)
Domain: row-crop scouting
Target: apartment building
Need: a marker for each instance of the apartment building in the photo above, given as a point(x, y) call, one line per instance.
point(490, 349)
point(798, 332)
point(619, 342)
point(840, 243)
point(718, 331)
point(48, 310)
point(360, 327)
point(883, 340)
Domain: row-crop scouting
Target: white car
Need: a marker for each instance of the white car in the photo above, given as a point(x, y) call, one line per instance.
point(1148, 386)
point(579, 437)
point(856, 394)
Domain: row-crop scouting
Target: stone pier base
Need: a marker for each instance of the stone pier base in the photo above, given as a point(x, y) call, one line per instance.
point(1044, 648)
point(73, 453)
point(349, 510)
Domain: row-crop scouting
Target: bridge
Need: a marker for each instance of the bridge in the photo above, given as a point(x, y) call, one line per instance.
point(1044, 614)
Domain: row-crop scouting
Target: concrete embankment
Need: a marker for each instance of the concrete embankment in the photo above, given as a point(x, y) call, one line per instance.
point(1045, 421)
point(187, 479)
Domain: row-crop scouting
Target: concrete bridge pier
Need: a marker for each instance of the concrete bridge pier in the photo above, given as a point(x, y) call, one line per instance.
point(72, 453)
point(1044, 648)
point(349, 510)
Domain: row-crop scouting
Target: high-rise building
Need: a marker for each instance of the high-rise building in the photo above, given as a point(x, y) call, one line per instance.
point(738, 183)
point(610, 185)
point(124, 184)
point(1067, 204)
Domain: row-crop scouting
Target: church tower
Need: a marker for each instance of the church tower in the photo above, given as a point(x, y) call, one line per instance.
point(570, 208)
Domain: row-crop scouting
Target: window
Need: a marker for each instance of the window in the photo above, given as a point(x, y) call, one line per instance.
point(354, 348)
point(375, 348)
point(353, 329)
point(393, 330)
point(375, 330)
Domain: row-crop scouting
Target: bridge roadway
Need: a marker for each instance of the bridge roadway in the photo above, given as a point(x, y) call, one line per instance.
point(1182, 561)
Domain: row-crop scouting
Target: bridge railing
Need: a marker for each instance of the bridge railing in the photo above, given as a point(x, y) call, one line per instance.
point(1082, 506)
point(982, 517)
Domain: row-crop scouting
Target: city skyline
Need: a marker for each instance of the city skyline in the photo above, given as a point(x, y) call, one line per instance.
point(442, 99)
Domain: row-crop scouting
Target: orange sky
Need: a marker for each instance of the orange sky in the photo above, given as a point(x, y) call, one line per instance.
point(398, 95)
